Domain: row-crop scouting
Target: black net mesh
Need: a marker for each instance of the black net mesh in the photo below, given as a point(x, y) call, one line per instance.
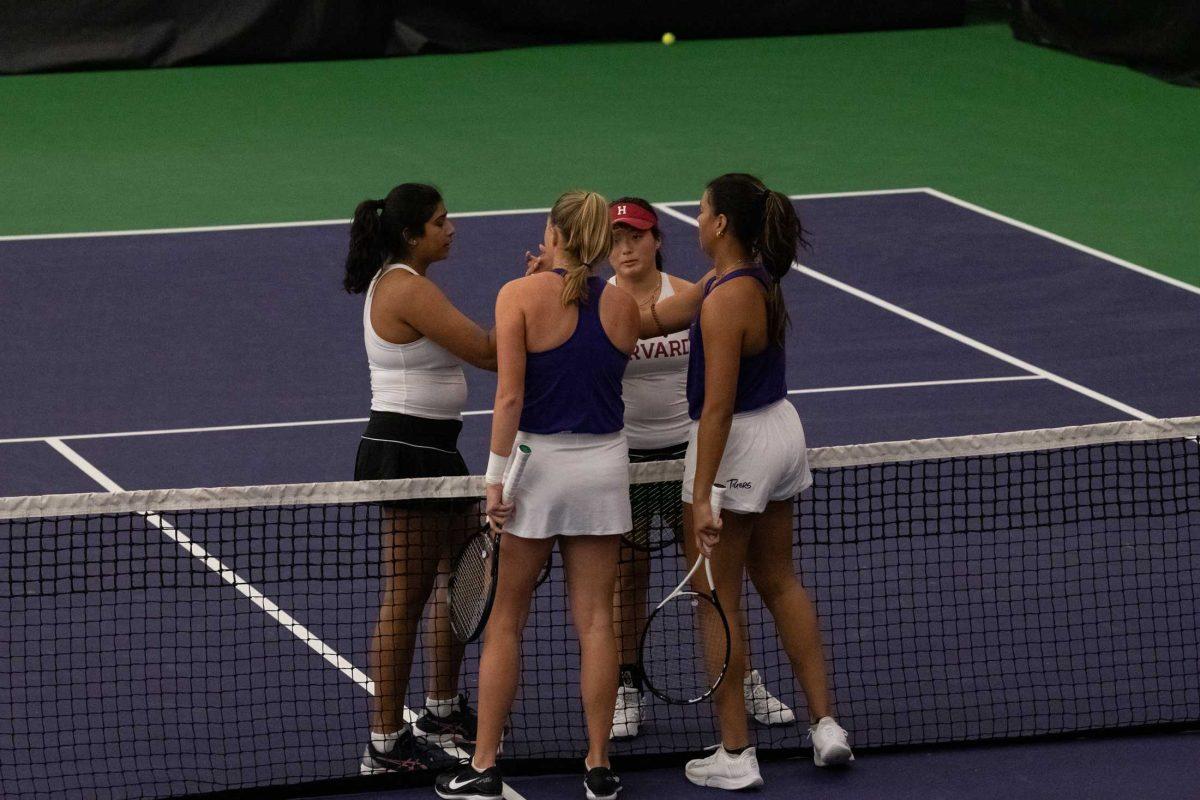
point(962, 598)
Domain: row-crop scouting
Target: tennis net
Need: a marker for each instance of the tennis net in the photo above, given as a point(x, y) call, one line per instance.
point(162, 643)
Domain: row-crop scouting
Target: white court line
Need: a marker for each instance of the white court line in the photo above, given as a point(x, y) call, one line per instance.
point(915, 384)
point(251, 226)
point(953, 334)
point(252, 426)
point(214, 564)
point(1054, 237)
point(822, 195)
point(264, 603)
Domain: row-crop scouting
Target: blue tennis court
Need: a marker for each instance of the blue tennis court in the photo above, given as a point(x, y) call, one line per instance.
point(229, 357)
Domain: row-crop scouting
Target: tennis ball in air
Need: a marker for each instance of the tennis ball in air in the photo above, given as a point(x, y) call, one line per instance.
point(668, 38)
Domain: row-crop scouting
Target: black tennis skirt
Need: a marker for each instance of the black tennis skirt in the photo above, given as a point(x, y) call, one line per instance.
point(404, 446)
point(663, 500)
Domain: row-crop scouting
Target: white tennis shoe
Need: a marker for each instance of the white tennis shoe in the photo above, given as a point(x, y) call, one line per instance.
point(724, 771)
point(764, 707)
point(627, 715)
point(830, 748)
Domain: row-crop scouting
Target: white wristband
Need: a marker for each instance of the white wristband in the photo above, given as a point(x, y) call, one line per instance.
point(495, 468)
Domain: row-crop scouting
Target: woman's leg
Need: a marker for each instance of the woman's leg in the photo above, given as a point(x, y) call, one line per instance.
point(411, 549)
point(521, 561)
point(629, 601)
point(772, 571)
point(728, 565)
point(442, 683)
point(591, 565)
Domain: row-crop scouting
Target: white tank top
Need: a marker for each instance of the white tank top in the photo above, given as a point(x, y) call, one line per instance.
point(419, 378)
point(655, 387)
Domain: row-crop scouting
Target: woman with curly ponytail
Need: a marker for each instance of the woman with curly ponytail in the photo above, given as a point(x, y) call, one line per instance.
point(416, 342)
point(563, 338)
point(747, 436)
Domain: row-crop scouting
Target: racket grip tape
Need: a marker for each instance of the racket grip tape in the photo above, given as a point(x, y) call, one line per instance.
point(516, 467)
point(717, 499)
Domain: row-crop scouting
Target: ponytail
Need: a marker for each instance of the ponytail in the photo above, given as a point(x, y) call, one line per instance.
point(582, 219)
point(381, 229)
point(366, 247)
point(765, 221)
point(780, 238)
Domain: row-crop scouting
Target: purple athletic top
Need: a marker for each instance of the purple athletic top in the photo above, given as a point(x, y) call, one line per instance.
point(762, 378)
point(576, 387)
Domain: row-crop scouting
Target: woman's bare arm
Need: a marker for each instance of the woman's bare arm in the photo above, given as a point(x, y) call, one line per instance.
point(674, 313)
point(423, 307)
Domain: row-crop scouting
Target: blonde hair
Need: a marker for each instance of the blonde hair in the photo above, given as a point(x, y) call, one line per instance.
point(582, 218)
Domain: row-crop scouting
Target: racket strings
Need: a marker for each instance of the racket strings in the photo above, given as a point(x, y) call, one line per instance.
point(471, 586)
point(685, 649)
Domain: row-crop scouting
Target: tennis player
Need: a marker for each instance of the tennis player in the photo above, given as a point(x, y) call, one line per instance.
point(563, 341)
point(656, 428)
point(416, 341)
point(747, 435)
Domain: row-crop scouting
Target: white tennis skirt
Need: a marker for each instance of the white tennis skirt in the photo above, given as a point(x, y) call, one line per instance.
point(765, 459)
point(574, 484)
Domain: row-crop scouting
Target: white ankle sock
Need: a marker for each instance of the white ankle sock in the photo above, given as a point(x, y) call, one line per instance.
point(441, 708)
point(383, 741)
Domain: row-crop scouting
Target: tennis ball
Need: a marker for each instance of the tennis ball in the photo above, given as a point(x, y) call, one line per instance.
point(668, 38)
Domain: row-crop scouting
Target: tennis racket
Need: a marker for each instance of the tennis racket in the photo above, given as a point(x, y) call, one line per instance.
point(477, 567)
point(684, 651)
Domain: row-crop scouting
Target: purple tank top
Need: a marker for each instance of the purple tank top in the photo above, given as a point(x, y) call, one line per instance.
point(576, 387)
point(762, 378)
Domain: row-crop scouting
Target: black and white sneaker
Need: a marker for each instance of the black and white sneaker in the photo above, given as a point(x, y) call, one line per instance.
point(457, 727)
point(406, 754)
point(464, 783)
point(602, 784)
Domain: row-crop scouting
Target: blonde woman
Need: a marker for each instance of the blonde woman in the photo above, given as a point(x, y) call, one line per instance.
point(562, 344)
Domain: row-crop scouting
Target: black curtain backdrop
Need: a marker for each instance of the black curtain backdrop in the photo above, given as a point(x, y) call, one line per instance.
point(45, 35)
point(1161, 37)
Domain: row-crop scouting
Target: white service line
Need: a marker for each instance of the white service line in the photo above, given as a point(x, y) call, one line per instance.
point(915, 384)
point(214, 564)
point(1054, 237)
point(951, 333)
point(252, 426)
point(264, 603)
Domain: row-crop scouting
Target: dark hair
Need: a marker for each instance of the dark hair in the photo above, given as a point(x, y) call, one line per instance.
point(381, 229)
point(645, 205)
point(766, 222)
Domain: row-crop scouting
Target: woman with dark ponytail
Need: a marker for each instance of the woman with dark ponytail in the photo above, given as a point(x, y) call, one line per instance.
point(656, 428)
point(416, 341)
point(747, 436)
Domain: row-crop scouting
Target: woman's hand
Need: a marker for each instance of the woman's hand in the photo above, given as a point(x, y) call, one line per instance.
point(538, 263)
point(498, 511)
point(707, 527)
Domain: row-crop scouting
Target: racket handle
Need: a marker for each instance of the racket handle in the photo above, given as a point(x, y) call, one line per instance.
point(716, 499)
point(516, 468)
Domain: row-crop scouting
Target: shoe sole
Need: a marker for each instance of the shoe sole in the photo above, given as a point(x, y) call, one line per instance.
point(592, 796)
point(467, 796)
point(837, 758)
point(719, 782)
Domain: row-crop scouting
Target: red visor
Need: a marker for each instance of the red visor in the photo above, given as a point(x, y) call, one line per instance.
point(633, 215)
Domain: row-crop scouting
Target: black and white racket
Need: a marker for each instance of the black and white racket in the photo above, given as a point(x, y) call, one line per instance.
point(684, 652)
point(477, 567)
